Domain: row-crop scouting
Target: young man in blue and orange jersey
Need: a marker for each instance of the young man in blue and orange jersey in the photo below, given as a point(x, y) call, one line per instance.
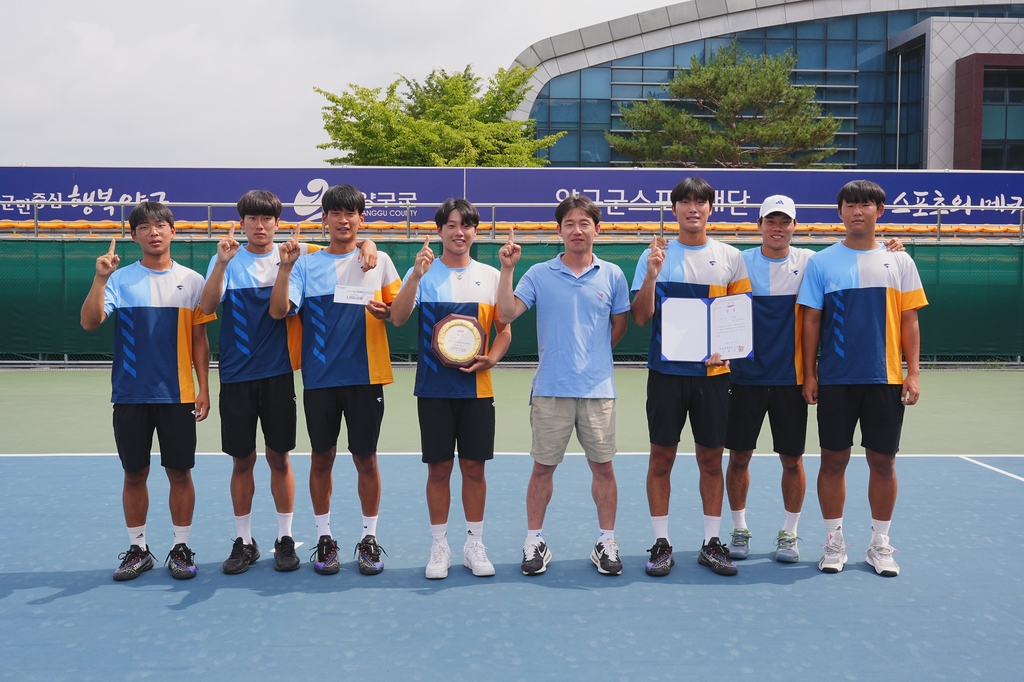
point(258, 356)
point(690, 266)
point(771, 381)
point(159, 338)
point(345, 362)
point(455, 404)
point(860, 305)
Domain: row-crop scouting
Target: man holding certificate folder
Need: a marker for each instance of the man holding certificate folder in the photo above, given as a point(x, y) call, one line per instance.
point(700, 269)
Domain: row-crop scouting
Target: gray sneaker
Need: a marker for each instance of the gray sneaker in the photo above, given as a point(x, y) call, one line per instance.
point(879, 556)
point(834, 558)
point(787, 552)
point(739, 545)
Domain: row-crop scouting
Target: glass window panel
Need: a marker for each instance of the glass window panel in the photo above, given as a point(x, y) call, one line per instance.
point(567, 85)
point(627, 75)
point(995, 79)
point(811, 29)
point(991, 13)
point(774, 47)
point(871, 87)
point(925, 13)
point(545, 91)
point(662, 57)
point(757, 33)
point(809, 78)
point(754, 47)
point(914, 148)
point(657, 75)
point(687, 50)
point(839, 110)
point(993, 123)
point(992, 159)
point(1016, 96)
point(655, 91)
point(846, 126)
point(961, 12)
point(1015, 157)
point(594, 148)
point(869, 150)
point(1015, 79)
point(627, 91)
point(567, 148)
point(871, 27)
point(618, 123)
point(993, 96)
point(843, 28)
point(900, 21)
point(843, 157)
point(1015, 123)
point(784, 31)
point(596, 83)
point(565, 111)
point(842, 54)
point(870, 117)
point(871, 56)
point(715, 44)
point(811, 54)
point(635, 60)
point(596, 111)
point(540, 111)
point(1016, 12)
point(842, 78)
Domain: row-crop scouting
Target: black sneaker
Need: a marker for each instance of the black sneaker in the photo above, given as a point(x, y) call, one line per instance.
point(606, 557)
point(535, 558)
point(242, 556)
point(181, 561)
point(325, 556)
point(284, 554)
point(134, 563)
point(368, 552)
point(661, 561)
point(715, 556)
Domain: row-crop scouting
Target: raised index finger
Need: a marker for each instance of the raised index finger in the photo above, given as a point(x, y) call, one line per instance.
point(511, 234)
point(426, 243)
point(298, 232)
point(113, 245)
point(231, 231)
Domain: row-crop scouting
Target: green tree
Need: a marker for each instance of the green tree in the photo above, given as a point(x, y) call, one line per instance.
point(736, 111)
point(443, 121)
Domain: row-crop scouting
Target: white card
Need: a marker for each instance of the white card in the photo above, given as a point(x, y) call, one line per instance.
point(353, 295)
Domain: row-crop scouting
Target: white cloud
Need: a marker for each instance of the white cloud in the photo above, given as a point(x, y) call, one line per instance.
point(230, 84)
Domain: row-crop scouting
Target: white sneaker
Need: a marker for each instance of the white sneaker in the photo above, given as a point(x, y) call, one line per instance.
point(440, 560)
point(476, 559)
point(835, 553)
point(879, 555)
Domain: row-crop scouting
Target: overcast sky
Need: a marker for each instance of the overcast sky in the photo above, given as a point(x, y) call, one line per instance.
point(230, 84)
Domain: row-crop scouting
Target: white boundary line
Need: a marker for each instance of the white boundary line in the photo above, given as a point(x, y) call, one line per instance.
point(987, 466)
point(526, 454)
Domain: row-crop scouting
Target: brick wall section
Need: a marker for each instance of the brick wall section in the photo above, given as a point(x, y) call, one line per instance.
point(970, 80)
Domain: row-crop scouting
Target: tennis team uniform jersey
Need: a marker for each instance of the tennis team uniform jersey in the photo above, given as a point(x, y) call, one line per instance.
point(471, 291)
point(253, 345)
point(861, 296)
point(709, 271)
point(156, 311)
point(342, 343)
point(778, 320)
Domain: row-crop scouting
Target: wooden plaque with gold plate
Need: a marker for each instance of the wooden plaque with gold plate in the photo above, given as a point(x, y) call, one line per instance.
point(457, 340)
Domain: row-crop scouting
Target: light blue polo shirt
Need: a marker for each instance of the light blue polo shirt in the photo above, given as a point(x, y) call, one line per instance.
point(574, 329)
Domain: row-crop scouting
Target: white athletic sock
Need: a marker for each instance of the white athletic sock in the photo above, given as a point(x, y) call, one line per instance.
point(474, 531)
point(181, 534)
point(791, 522)
point(284, 524)
point(880, 528)
point(323, 524)
point(660, 525)
point(832, 525)
point(712, 526)
point(534, 537)
point(369, 526)
point(606, 535)
point(137, 536)
point(243, 528)
point(439, 531)
point(739, 518)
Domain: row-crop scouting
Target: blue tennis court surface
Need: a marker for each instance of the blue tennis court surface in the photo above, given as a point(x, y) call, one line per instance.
point(956, 612)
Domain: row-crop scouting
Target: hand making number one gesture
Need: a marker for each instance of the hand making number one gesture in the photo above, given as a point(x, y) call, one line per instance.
point(510, 252)
point(227, 248)
point(656, 258)
point(108, 262)
point(424, 258)
point(289, 250)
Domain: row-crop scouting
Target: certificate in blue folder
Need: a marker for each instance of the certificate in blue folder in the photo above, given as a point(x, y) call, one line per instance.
point(692, 329)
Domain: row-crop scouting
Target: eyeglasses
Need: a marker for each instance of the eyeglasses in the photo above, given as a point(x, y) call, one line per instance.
point(150, 227)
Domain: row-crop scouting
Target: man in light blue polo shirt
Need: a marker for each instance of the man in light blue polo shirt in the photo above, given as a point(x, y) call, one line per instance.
point(581, 314)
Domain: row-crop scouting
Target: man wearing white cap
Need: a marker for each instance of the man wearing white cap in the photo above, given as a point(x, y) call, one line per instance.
point(771, 381)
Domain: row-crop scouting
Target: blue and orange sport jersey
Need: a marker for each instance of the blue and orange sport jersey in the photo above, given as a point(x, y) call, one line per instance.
point(471, 291)
point(709, 271)
point(778, 320)
point(253, 345)
point(156, 311)
point(342, 343)
point(861, 296)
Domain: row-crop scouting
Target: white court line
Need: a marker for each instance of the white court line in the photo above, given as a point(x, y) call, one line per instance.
point(526, 454)
point(987, 466)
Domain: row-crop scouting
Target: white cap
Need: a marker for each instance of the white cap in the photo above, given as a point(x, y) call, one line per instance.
point(778, 203)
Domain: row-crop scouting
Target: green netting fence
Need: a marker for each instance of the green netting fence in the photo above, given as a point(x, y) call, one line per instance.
point(976, 295)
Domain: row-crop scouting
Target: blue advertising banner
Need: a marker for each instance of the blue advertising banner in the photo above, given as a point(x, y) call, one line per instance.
point(632, 195)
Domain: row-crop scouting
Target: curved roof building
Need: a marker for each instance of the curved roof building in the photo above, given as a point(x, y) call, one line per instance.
point(916, 83)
